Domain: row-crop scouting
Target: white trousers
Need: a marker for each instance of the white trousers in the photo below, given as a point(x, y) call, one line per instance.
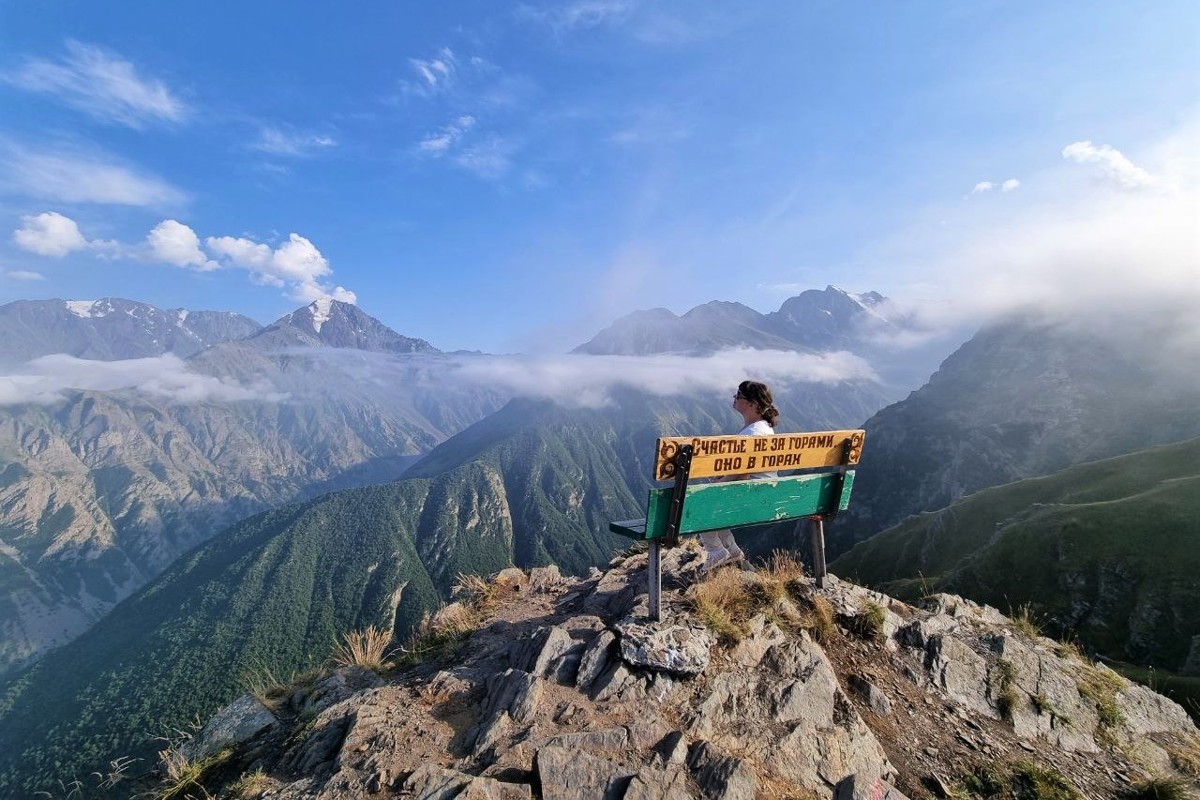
point(721, 547)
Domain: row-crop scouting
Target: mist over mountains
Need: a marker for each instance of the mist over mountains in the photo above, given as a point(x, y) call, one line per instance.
point(521, 461)
point(113, 468)
point(1026, 396)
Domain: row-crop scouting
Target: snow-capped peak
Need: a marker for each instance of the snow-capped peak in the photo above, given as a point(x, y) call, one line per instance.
point(183, 315)
point(82, 308)
point(321, 308)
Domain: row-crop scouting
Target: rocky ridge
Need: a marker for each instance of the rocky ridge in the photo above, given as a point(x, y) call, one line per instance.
point(755, 684)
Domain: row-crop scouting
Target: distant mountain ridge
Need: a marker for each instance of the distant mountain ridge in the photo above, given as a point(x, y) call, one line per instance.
point(814, 320)
point(111, 329)
point(1024, 397)
point(532, 484)
point(102, 490)
point(331, 323)
point(1107, 551)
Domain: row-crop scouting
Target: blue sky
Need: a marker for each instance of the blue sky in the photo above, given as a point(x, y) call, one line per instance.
point(512, 177)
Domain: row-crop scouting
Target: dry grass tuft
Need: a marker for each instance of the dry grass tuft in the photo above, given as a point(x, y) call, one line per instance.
point(1101, 687)
point(250, 786)
point(1070, 651)
point(1025, 622)
point(1160, 788)
point(182, 777)
point(367, 648)
point(274, 692)
point(818, 619)
point(441, 633)
point(1186, 757)
point(723, 604)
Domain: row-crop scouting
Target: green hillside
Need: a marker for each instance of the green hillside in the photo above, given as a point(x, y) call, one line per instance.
point(1108, 551)
point(531, 484)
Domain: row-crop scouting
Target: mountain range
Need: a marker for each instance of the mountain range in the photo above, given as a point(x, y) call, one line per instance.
point(101, 488)
point(532, 484)
point(1025, 396)
point(111, 328)
point(1106, 552)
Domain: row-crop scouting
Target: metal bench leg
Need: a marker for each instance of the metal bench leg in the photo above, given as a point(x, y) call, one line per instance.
point(654, 577)
point(817, 533)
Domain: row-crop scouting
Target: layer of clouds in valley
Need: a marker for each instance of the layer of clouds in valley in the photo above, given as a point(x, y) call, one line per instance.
point(45, 380)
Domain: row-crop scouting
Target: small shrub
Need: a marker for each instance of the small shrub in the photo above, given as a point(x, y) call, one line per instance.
point(1101, 687)
point(871, 622)
point(1160, 789)
point(1024, 622)
point(1007, 698)
point(274, 692)
point(819, 619)
point(1032, 782)
point(984, 781)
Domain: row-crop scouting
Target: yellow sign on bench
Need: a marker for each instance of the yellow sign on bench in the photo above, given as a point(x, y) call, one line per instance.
point(720, 456)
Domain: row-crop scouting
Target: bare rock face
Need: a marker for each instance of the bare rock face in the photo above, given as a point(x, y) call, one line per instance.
point(678, 649)
point(571, 694)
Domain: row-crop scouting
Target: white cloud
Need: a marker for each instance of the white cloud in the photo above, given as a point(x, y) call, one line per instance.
point(583, 380)
point(286, 143)
point(491, 159)
point(297, 262)
point(439, 143)
point(24, 275)
point(73, 177)
point(1112, 163)
point(308, 291)
point(1096, 255)
point(989, 186)
point(102, 84)
point(245, 253)
point(178, 245)
point(433, 75)
point(45, 380)
point(49, 234)
point(581, 14)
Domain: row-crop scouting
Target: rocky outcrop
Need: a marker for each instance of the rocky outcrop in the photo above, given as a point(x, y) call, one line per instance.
point(570, 691)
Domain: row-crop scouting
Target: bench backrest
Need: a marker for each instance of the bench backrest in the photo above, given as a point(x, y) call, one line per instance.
point(711, 506)
point(825, 490)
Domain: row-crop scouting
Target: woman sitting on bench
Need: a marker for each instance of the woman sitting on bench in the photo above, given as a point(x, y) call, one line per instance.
point(754, 402)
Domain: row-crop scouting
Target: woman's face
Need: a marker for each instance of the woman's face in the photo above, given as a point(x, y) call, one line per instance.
point(740, 404)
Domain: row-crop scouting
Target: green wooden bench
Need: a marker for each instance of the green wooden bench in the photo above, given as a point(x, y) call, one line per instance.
point(685, 509)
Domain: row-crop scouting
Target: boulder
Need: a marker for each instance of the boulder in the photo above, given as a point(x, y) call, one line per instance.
point(237, 723)
point(720, 775)
point(858, 787)
point(663, 647)
point(567, 774)
point(431, 782)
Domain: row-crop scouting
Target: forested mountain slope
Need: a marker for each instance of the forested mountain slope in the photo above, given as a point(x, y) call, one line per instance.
point(1024, 397)
point(1107, 551)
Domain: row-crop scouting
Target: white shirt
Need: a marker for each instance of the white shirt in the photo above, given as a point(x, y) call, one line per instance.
point(759, 428)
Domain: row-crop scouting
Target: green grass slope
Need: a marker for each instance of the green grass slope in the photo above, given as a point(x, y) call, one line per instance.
point(532, 484)
point(1107, 551)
